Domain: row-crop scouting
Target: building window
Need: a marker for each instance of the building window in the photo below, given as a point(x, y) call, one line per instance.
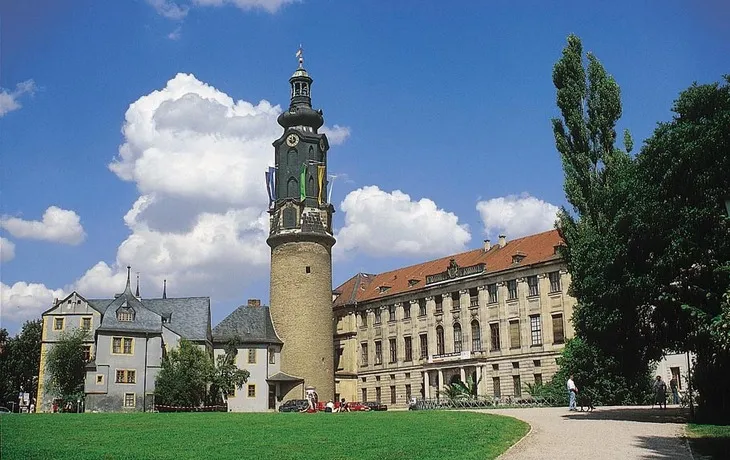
point(364, 318)
point(377, 315)
point(393, 350)
point(558, 334)
point(538, 379)
point(87, 352)
point(86, 323)
point(439, 340)
point(492, 289)
point(439, 303)
point(476, 336)
point(535, 330)
point(99, 379)
point(129, 400)
point(532, 285)
point(455, 301)
point(676, 375)
point(424, 346)
point(338, 358)
point(494, 333)
point(497, 387)
point(122, 345)
point(364, 392)
point(554, 281)
point(536, 363)
point(391, 313)
point(125, 314)
point(517, 386)
point(515, 364)
point(473, 297)
point(495, 367)
point(512, 289)
point(251, 390)
point(406, 310)
point(514, 334)
point(252, 356)
point(377, 394)
point(392, 394)
point(126, 376)
point(364, 353)
point(408, 345)
point(457, 338)
point(378, 352)
point(57, 324)
point(421, 307)
point(272, 356)
point(408, 392)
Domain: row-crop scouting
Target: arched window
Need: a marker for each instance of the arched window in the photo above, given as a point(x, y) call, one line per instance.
point(292, 188)
point(476, 336)
point(305, 89)
point(439, 340)
point(297, 88)
point(457, 338)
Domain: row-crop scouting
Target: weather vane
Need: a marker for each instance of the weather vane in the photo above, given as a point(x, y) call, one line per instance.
point(300, 55)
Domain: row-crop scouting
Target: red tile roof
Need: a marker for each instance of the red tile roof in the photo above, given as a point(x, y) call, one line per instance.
point(364, 287)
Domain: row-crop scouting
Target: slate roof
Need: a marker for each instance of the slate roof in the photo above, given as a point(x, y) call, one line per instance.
point(144, 319)
point(247, 324)
point(283, 377)
point(363, 287)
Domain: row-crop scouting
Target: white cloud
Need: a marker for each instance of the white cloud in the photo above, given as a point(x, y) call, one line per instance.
point(336, 134)
point(7, 250)
point(57, 225)
point(272, 6)
point(169, 9)
point(391, 224)
point(23, 301)
point(9, 100)
point(516, 215)
point(175, 34)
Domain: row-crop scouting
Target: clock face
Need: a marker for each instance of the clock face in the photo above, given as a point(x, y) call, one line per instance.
point(321, 144)
point(292, 140)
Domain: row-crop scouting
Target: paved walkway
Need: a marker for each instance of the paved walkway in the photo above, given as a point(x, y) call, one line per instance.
point(606, 433)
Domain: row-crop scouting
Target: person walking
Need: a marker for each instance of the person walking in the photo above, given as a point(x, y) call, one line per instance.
point(675, 390)
point(572, 390)
point(660, 392)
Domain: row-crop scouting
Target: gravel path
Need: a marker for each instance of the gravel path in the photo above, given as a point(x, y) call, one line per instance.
point(606, 433)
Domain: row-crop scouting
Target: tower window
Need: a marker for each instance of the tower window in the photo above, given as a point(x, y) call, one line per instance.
point(308, 269)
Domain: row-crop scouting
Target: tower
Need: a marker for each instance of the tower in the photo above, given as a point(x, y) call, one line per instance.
point(301, 241)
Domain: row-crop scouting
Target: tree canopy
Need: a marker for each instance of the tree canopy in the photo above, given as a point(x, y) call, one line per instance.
point(65, 365)
point(19, 361)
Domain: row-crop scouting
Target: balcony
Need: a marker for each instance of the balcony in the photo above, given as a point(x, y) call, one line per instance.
point(447, 357)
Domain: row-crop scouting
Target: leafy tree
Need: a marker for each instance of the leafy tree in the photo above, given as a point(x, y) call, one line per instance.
point(458, 389)
point(226, 375)
point(65, 365)
point(19, 361)
point(184, 376)
point(598, 178)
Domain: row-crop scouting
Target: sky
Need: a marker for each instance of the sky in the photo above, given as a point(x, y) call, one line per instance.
point(137, 132)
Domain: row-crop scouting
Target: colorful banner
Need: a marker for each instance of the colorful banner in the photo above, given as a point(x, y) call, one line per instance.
point(303, 183)
point(270, 184)
point(320, 174)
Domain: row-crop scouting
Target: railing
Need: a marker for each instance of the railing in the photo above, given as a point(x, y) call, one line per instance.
point(483, 402)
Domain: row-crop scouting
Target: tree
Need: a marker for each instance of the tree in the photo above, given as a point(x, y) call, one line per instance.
point(184, 376)
point(226, 375)
point(598, 179)
point(65, 366)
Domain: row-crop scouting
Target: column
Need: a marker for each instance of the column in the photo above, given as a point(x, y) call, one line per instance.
point(426, 385)
point(462, 373)
point(478, 383)
point(440, 383)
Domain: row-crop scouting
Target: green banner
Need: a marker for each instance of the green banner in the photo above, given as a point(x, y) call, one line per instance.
point(303, 183)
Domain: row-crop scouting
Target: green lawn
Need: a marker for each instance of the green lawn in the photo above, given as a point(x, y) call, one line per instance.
point(365, 435)
point(711, 441)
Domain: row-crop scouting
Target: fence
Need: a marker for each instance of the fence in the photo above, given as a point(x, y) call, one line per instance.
point(161, 408)
point(484, 403)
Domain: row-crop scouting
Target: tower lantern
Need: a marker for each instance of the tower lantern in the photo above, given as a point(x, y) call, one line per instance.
point(301, 240)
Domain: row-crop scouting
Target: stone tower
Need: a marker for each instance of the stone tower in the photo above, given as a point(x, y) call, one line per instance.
point(301, 243)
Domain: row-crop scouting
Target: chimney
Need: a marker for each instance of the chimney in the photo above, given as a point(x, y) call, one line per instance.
point(502, 241)
point(55, 301)
point(487, 245)
point(254, 302)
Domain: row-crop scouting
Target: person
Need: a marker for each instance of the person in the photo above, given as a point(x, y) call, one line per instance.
point(330, 407)
point(660, 392)
point(572, 390)
point(343, 406)
point(675, 390)
point(32, 406)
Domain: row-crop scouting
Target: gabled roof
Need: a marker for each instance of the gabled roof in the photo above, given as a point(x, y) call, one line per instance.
point(247, 324)
point(145, 320)
point(536, 249)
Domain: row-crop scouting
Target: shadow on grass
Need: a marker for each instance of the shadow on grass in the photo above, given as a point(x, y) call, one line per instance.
point(633, 414)
point(711, 448)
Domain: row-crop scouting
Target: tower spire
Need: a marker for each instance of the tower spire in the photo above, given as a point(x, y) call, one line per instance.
point(129, 274)
point(300, 55)
point(136, 294)
point(164, 289)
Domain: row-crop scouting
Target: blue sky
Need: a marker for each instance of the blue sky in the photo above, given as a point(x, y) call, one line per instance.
point(439, 112)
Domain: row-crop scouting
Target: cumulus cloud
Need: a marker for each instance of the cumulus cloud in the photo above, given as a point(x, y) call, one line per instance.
point(516, 215)
point(23, 301)
point(336, 134)
point(57, 225)
point(178, 10)
point(9, 100)
point(7, 250)
point(391, 224)
point(169, 9)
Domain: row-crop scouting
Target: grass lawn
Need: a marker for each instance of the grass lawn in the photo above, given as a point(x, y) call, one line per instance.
point(711, 441)
point(365, 435)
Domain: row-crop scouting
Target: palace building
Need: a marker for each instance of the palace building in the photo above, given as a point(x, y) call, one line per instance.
point(498, 315)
